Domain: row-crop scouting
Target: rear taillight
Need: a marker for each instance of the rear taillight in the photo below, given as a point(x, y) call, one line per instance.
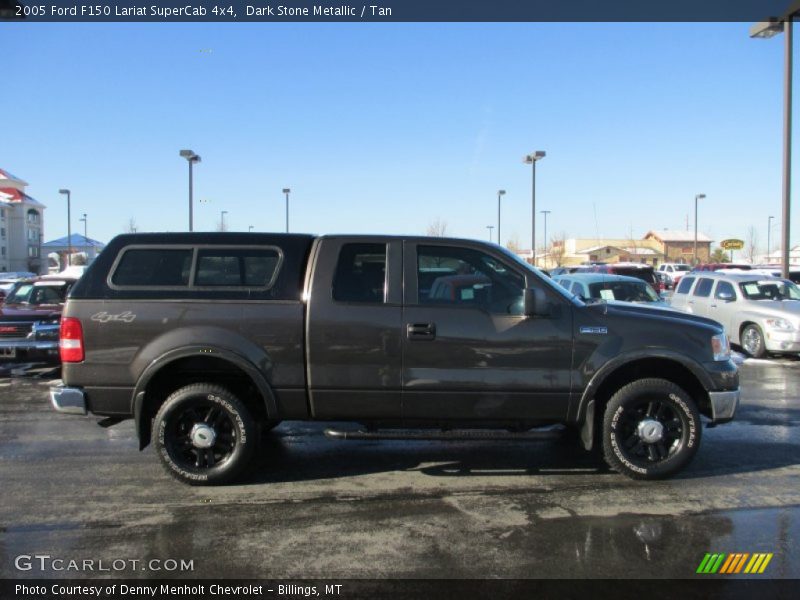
point(71, 340)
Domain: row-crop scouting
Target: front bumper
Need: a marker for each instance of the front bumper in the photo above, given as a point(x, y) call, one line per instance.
point(776, 340)
point(68, 400)
point(41, 341)
point(723, 405)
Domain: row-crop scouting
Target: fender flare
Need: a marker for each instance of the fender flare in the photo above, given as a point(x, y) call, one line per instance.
point(165, 359)
point(621, 361)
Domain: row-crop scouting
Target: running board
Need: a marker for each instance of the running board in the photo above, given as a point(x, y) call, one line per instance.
point(452, 435)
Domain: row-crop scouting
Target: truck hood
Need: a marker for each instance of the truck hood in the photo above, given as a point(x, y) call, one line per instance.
point(663, 314)
point(21, 312)
point(777, 308)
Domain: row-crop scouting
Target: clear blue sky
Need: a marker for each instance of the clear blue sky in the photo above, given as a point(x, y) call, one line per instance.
point(384, 128)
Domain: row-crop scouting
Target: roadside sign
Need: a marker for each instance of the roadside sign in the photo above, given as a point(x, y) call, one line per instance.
point(732, 244)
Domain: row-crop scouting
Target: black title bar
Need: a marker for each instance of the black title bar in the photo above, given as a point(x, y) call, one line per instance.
point(382, 11)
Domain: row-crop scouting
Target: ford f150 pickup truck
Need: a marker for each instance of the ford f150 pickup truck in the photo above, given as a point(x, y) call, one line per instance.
point(207, 340)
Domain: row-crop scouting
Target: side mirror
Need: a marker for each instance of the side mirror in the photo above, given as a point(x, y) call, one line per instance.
point(726, 297)
point(536, 304)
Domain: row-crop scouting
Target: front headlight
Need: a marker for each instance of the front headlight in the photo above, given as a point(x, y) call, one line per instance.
point(779, 324)
point(721, 347)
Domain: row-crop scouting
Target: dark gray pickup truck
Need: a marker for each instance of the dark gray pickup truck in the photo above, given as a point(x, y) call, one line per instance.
point(208, 340)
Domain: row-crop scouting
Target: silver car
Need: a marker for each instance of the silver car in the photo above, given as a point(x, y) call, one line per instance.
point(760, 313)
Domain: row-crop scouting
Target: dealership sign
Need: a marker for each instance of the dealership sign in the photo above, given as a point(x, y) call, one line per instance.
point(732, 244)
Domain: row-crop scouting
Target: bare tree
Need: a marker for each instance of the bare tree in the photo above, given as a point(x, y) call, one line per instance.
point(513, 244)
point(130, 227)
point(751, 246)
point(437, 228)
point(558, 248)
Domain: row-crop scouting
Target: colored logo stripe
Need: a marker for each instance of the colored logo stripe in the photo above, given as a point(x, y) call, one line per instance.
point(710, 563)
point(758, 563)
point(734, 563)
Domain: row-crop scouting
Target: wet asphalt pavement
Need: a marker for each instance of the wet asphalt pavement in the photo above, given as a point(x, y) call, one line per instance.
point(316, 508)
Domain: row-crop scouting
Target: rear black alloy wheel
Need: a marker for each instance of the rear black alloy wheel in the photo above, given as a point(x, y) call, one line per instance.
point(204, 434)
point(651, 429)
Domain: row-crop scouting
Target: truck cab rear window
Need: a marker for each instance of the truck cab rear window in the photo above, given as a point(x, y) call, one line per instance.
point(361, 274)
point(154, 268)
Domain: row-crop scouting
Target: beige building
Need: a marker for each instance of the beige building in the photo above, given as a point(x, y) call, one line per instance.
point(655, 248)
point(678, 246)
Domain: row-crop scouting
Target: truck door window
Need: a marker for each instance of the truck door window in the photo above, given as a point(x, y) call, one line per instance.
point(466, 277)
point(361, 274)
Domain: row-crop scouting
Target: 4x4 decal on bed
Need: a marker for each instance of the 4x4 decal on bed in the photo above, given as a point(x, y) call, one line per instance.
point(104, 317)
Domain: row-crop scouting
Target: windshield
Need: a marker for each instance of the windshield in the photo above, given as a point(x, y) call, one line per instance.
point(770, 289)
point(626, 291)
point(681, 267)
point(549, 282)
point(27, 293)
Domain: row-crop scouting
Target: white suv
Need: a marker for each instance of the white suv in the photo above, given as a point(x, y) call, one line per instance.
point(672, 270)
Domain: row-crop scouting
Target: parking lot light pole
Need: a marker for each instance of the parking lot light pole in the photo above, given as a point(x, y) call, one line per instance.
point(191, 158)
point(768, 29)
point(696, 198)
point(83, 220)
point(500, 194)
point(769, 235)
point(69, 227)
point(249, 228)
point(531, 159)
point(222, 214)
point(545, 213)
point(287, 191)
point(490, 227)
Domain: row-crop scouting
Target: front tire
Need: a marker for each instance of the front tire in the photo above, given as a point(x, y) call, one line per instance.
point(651, 429)
point(753, 341)
point(204, 435)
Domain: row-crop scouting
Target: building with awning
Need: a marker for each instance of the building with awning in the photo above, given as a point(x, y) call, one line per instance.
point(77, 244)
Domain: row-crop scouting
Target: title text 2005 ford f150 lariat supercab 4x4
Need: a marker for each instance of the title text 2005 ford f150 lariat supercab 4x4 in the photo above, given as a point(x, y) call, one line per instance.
point(206, 340)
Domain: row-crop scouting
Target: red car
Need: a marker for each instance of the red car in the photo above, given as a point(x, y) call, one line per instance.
point(30, 316)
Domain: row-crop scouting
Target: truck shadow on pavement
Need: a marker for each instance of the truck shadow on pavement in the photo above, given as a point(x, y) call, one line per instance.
point(290, 456)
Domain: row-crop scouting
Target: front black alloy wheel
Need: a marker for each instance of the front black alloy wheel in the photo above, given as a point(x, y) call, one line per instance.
point(204, 435)
point(651, 429)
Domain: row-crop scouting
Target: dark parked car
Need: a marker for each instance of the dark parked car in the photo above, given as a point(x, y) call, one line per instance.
point(29, 318)
point(206, 340)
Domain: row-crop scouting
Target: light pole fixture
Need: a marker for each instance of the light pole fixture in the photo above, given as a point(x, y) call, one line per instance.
point(530, 159)
point(768, 29)
point(69, 227)
point(500, 194)
point(769, 235)
point(287, 191)
point(545, 213)
point(490, 227)
point(83, 220)
point(222, 214)
point(191, 158)
point(696, 198)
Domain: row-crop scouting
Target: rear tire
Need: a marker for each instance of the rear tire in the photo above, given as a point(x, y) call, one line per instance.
point(204, 435)
point(651, 429)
